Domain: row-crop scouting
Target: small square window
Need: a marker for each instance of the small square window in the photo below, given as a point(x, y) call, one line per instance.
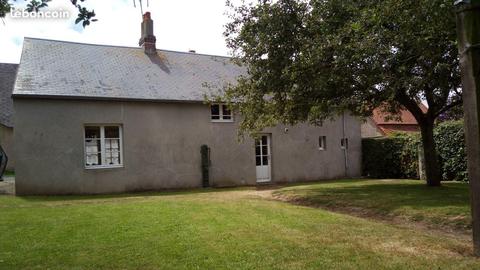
point(322, 143)
point(344, 143)
point(221, 113)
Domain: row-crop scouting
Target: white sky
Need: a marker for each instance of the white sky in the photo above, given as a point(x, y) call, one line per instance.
point(179, 25)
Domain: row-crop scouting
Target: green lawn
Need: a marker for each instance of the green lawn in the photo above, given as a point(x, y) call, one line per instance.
point(446, 207)
point(9, 173)
point(218, 229)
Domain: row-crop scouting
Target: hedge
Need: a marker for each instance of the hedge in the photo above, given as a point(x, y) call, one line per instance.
point(450, 141)
point(391, 157)
point(396, 156)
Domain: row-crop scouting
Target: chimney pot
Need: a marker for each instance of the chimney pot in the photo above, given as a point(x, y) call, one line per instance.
point(146, 16)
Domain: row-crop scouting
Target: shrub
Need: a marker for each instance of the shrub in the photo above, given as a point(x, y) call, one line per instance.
point(391, 157)
point(396, 156)
point(450, 141)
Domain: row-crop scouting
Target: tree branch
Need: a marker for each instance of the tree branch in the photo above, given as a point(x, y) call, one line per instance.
point(430, 100)
point(411, 105)
point(448, 107)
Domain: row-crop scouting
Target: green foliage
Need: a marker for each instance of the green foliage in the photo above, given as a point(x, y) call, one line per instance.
point(391, 157)
point(397, 156)
point(35, 6)
point(309, 60)
point(450, 140)
point(5, 8)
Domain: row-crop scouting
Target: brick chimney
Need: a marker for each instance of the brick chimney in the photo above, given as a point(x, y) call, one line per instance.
point(147, 40)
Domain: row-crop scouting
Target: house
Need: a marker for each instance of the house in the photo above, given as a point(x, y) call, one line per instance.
point(7, 80)
point(382, 123)
point(95, 119)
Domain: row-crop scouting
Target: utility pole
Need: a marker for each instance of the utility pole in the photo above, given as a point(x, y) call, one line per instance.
point(468, 29)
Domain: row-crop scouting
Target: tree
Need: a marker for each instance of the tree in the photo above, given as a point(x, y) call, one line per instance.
point(308, 61)
point(85, 16)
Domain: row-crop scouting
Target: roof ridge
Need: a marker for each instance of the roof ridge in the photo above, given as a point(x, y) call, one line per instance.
point(127, 47)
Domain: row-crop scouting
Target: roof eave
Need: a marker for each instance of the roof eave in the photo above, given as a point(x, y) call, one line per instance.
point(93, 98)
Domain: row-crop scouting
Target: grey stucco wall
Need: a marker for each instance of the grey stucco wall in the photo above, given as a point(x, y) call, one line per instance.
point(369, 129)
point(162, 148)
point(6, 140)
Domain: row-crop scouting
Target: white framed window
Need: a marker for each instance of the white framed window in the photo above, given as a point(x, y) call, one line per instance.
point(344, 143)
point(103, 146)
point(322, 143)
point(220, 113)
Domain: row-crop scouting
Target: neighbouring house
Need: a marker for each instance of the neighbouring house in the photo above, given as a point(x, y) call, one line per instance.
point(7, 80)
point(382, 123)
point(102, 119)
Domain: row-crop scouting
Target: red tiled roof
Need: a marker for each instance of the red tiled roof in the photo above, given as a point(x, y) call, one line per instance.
point(406, 118)
point(388, 129)
point(406, 122)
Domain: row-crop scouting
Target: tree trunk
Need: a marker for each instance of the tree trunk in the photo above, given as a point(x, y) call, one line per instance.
point(468, 27)
point(432, 166)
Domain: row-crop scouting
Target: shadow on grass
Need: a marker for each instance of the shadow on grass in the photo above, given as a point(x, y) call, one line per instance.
point(445, 208)
point(139, 194)
point(167, 192)
point(391, 196)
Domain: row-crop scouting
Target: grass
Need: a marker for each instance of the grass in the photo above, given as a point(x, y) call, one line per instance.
point(9, 173)
point(446, 207)
point(217, 229)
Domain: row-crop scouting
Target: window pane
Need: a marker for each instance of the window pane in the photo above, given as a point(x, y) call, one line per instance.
point(92, 146)
point(112, 151)
point(112, 144)
point(112, 158)
point(227, 114)
point(93, 152)
point(257, 150)
point(112, 132)
point(257, 142)
point(322, 141)
point(94, 159)
point(265, 150)
point(264, 140)
point(92, 132)
point(215, 110)
point(344, 143)
point(259, 161)
point(265, 160)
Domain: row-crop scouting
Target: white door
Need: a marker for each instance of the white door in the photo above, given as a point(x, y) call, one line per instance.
point(263, 158)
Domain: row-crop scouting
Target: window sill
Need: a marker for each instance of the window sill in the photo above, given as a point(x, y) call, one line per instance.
point(222, 121)
point(103, 167)
point(321, 149)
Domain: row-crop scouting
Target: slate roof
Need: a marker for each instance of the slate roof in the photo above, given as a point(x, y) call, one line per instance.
point(7, 80)
point(59, 69)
